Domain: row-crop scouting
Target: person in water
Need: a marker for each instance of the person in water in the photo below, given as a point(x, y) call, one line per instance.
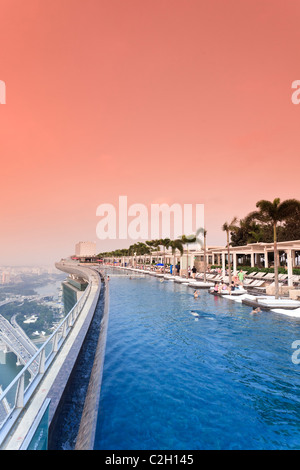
point(256, 310)
point(196, 294)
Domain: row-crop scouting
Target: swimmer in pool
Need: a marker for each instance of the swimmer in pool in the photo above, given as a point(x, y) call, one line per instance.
point(256, 310)
point(196, 294)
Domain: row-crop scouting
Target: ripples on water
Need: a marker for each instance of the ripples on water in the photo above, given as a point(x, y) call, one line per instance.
point(185, 373)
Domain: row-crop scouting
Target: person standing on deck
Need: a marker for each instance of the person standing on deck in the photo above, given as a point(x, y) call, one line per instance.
point(241, 276)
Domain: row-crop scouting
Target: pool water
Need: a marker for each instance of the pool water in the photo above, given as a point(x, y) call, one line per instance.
point(186, 374)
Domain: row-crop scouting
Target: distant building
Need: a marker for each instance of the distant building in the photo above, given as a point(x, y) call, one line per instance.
point(73, 288)
point(5, 278)
point(85, 249)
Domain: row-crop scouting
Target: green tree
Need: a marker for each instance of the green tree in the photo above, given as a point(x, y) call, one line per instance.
point(165, 243)
point(274, 213)
point(156, 245)
point(248, 231)
point(229, 227)
point(204, 232)
point(151, 247)
point(176, 245)
point(291, 227)
point(187, 240)
point(142, 249)
point(132, 252)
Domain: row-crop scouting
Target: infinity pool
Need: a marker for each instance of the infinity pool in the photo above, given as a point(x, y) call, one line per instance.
point(186, 374)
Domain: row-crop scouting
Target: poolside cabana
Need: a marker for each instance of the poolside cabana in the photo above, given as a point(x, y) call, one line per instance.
point(258, 251)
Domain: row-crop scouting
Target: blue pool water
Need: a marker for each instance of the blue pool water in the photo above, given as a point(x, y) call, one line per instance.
point(186, 374)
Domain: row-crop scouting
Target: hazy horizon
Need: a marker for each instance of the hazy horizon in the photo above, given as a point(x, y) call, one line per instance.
point(165, 101)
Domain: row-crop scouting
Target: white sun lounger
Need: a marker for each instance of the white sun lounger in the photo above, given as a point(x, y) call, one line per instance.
point(270, 285)
point(259, 275)
point(269, 276)
point(252, 274)
point(210, 276)
point(257, 283)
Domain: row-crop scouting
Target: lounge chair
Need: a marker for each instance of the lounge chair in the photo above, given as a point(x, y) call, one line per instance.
point(282, 276)
point(247, 281)
point(252, 274)
point(253, 283)
point(257, 283)
point(269, 276)
point(263, 288)
point(295, 279)
point(211, 276)
point(259, 275)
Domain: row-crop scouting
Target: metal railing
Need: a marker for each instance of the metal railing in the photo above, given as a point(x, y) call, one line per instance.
point(16, 395)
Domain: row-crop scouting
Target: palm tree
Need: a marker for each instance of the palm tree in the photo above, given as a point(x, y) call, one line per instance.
point(124, 253)
point(151, 247)
point(156, 244)
point(273, 213)
point(165, 242)
point(229, 228)
point(145, 251)
point(186, 240)
point(255, 233)
point(138, 250)
point(132, 252)
point(204, 232)
point(176, 245)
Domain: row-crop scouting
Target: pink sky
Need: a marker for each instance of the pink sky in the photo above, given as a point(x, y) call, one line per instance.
point(184, 101)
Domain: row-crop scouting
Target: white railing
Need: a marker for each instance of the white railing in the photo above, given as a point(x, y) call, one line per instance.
point(16, 395)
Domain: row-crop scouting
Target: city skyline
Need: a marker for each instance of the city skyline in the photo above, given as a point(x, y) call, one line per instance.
point(162, 101)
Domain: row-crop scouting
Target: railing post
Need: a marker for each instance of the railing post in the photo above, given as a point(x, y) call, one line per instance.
point(55, 343)
point(42, 362)
point(20, 393)
point(75, 311)
point(64, 330)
